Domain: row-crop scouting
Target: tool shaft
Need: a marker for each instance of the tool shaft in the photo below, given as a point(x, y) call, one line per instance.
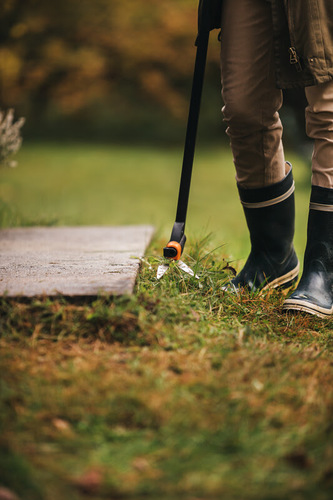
point(192, 125)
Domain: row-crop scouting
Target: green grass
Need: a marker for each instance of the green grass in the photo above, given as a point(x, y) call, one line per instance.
point(86, 184)
point(178, 392)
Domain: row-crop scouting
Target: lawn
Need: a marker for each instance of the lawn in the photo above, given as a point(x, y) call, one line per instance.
point(84, 184)
point(180, 391)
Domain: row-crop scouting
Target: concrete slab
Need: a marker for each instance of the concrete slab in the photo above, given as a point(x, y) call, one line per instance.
point(71, 261)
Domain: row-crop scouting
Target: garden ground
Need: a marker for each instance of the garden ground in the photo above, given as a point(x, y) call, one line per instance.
point(179, 391)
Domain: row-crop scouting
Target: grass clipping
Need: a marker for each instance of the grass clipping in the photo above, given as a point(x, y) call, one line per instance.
point(181, 391)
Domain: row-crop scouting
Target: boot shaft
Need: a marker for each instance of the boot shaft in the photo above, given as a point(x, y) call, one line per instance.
point(270, 217)
point(320, 228)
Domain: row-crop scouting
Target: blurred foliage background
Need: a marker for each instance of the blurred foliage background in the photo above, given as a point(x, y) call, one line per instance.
point(112, 70)
point(118, 73)
point(104, 69)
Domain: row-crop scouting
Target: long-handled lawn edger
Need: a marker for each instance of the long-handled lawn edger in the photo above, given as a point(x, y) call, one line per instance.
point(209, 17)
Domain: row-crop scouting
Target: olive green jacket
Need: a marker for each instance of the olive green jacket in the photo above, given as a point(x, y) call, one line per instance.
point(303, 39)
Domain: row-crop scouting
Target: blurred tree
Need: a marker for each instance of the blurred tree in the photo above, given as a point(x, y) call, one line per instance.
point(76, 58)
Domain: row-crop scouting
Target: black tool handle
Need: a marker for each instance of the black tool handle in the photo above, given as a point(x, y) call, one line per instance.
point(175, 247)
point(192, 125)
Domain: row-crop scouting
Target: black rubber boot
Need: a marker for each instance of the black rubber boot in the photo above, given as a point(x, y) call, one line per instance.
point(270, 215)
point(314, 293)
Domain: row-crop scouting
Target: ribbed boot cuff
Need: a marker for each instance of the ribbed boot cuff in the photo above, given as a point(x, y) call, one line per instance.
point(320, 196)
point(268, 195)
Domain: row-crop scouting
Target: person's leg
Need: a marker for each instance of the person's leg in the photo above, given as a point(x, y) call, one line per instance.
point(319, 127)
point(251, 99)
point(251, 105)
point(314, 293)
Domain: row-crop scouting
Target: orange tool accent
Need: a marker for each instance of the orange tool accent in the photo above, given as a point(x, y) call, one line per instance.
point(177, 246)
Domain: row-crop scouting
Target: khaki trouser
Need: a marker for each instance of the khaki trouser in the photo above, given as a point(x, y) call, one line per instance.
point(252, 101)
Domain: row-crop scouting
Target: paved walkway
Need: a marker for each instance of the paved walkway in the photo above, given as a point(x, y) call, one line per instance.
point(71, 261)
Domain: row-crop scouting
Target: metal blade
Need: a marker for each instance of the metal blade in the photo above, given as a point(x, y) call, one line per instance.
point(184, 267)
point(161, 270)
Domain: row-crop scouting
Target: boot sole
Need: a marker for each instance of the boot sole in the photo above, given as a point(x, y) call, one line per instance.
point(284, 281)
point(308, 307)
